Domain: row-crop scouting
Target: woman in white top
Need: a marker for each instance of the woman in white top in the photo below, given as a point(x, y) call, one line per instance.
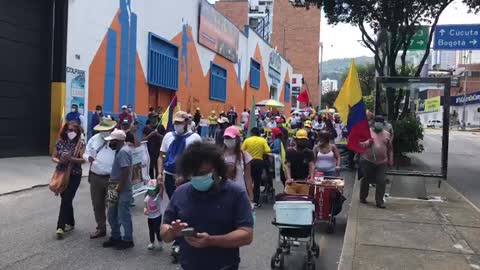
point(238, 161)
point(327, 156)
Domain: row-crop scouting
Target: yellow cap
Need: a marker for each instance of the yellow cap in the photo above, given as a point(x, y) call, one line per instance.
point(302, 134)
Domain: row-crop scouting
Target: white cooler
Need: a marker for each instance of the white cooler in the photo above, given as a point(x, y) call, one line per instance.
point(294, 212)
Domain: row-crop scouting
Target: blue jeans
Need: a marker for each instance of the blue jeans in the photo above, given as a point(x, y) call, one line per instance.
point(212, 129)
point(119, 215)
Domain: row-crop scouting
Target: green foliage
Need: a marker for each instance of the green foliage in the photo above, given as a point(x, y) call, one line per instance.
point(329, 98)
point(369, 102)
point(408, 135)
point(366, 76)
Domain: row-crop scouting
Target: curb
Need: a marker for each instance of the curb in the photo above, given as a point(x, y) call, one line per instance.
point(348, 250)
point(23, 189)
point(462, 196)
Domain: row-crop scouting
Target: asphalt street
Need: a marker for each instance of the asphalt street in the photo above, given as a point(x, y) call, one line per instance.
point(463, 165)
point(28, 241)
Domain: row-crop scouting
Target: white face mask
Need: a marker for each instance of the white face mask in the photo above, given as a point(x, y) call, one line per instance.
point(99, 112)
point(230, 143)
point(72, 135)
point(180, 129)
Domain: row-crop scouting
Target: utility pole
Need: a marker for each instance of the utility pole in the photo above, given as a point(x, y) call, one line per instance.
point(467, 57)
point(320, 69)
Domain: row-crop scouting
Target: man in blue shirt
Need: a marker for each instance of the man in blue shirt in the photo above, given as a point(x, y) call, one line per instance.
point(218, 211)
point(96, 116)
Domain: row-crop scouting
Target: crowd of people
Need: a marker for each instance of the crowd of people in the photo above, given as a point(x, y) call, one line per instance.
point(222, 171)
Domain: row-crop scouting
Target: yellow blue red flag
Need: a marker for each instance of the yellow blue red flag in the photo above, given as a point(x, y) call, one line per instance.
point(352, 110)
point(167, 117)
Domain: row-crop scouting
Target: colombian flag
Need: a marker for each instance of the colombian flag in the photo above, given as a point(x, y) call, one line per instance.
point(352, 111)
point(167, 117)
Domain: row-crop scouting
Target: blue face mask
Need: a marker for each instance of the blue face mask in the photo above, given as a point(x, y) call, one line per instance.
point(202, 182)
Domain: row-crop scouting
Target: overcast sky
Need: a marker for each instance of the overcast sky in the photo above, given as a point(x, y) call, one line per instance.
point(341, 41)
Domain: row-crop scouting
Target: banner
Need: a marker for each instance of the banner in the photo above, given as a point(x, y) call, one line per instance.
point(141, 165)
point(471, 98)
point(217, 33)
point(429, 104)
point(75, 90)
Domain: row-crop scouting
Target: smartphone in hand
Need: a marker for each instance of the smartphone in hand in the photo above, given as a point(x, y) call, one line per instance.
point(189, 232)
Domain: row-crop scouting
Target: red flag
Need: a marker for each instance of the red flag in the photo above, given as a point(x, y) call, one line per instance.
point(303, 97)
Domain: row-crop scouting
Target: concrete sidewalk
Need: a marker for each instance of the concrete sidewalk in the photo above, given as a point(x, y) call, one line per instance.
point(17, 174)
point(413, 234)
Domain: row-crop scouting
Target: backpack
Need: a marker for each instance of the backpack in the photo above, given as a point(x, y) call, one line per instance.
point(174, 150)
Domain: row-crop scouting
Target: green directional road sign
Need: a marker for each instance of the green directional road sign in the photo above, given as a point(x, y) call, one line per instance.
point(419, 40)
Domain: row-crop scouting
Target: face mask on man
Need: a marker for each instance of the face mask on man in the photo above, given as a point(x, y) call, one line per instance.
point(378, 126)
point(113, 145)
point(179, 129)
point(99, 111)
point(202, 182)
point(74, 109)
point(230, 143)
point(71, 135)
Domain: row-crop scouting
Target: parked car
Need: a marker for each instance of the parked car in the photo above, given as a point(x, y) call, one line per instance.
point(434, 124)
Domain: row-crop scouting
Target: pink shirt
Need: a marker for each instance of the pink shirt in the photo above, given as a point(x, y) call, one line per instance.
point(382, 145)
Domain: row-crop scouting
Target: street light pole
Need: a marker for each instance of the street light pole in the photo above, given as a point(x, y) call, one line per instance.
point(464, 113)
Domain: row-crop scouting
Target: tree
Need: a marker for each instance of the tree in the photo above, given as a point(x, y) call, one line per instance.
point(366, 76)
point(328, 99)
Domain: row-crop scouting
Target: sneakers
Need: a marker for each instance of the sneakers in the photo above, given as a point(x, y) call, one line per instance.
point(122, 245)
point(111, 243)
point(69, 228)
point(381, 205)
point(160, 245)
point(364, 201)
point(60, 233)
point(151, 246)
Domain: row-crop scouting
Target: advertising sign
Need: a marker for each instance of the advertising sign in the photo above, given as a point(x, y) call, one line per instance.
point(75, 92)
point(217, 33)
point(429, 105)
point(457, 37)
point(472, 98)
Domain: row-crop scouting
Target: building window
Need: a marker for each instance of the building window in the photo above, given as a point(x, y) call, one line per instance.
point(162, 63)
point(254, 74)
point(218, 82)
point(287, 92)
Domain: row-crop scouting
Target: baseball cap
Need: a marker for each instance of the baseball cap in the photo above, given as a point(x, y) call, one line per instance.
point(124, 107)
point(180, 116)
point(302, 134)
point(117, 134)
point(232, 132)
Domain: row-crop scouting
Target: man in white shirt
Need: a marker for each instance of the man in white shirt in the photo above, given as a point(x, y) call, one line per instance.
point(245, 116)
point(182, 136)
point(173, 145)
point(100, 156)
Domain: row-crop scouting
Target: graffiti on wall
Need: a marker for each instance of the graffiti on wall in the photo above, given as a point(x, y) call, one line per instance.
point(128, 51)
point(185, 55)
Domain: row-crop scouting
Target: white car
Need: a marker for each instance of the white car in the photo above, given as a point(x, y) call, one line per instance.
point(434, 124)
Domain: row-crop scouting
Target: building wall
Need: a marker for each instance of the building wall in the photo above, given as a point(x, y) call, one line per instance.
point(296, 34)
point(109, 41)
point(235, 10)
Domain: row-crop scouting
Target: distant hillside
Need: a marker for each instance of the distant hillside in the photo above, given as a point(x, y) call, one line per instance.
point(334, 68)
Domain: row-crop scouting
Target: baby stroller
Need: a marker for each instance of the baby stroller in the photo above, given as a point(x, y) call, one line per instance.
point(294, 217)
point(267, 193)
